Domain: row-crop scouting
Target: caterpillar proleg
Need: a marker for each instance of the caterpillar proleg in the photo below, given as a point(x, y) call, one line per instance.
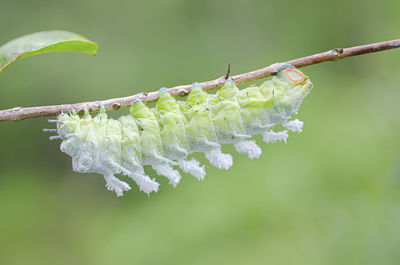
point(165, 136)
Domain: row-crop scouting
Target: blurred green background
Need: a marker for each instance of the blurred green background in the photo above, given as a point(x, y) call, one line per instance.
point(329, 196)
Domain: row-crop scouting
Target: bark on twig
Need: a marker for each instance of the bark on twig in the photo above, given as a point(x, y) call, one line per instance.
point(20, 113)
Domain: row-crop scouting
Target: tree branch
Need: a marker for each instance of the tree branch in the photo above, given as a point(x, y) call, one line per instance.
point(20, 113)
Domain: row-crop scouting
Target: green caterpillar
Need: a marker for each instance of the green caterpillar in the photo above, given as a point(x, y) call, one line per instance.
point(165, 136)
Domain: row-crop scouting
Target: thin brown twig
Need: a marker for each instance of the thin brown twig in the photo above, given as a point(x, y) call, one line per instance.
point(20, 113)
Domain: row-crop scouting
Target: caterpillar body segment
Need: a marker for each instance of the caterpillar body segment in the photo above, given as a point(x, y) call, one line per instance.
point(172, 127)
point(199, 123)
point(225, 112)
point(131, 155)
point(150, 141)
point(173, 134)
point(254, 110)
point(201, 130)
point(165, 136)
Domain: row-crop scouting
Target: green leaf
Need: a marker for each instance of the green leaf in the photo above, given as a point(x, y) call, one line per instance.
point(44, 42)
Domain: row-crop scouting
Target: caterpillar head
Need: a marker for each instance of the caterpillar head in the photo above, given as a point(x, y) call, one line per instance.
point(287, 89)
point(298, 84)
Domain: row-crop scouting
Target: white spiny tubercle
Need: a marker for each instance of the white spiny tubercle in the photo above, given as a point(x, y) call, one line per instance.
point(248, 147)
point(145, 183)
point(167, 171)
point(294, 126)
point(219, 159)
point(192, 167)
point(272, 137)
point(116, 185)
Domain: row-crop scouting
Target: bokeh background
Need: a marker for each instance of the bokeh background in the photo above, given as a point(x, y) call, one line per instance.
point(331, 195)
